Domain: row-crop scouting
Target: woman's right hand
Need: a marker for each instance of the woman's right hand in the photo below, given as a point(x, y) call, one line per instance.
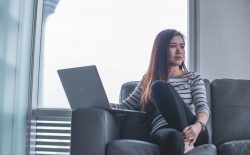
point(190, 133)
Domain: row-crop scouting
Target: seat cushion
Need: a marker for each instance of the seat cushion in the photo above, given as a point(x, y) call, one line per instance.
point(132, 147)
point(239, 147)
point(206, 149)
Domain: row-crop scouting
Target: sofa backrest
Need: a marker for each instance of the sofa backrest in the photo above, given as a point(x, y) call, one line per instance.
point(134, 125)
point(231, 110)
point(127, 88)
point(209, 123)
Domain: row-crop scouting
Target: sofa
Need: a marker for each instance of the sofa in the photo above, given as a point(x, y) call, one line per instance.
point(105, 132)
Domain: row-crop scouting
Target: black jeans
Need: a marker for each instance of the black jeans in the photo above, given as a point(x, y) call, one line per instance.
point(178, 115)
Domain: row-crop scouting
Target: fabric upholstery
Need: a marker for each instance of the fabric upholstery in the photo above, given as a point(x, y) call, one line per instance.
point(239, 147)
point(231, 112)
point(206, 149)
point(101, 132)
point(92, 130)
point(132, 147)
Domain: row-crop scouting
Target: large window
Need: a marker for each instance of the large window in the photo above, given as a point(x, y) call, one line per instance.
point(116, 36)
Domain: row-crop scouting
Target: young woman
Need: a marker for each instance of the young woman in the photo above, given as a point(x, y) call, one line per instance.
point(174, 98)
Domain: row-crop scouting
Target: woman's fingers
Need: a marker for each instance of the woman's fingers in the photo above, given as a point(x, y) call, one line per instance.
point(189, 134)
point(193, 141)
point(186, 128)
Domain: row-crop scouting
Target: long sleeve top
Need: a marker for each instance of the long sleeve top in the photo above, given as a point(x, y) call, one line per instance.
point(191, 89)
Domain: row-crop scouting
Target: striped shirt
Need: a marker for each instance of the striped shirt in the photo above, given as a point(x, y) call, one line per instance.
point(191, 89)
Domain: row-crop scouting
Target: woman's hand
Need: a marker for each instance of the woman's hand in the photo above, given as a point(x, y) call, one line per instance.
point(190, 133)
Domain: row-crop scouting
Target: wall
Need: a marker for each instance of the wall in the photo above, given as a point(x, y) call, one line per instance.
point(223, 39)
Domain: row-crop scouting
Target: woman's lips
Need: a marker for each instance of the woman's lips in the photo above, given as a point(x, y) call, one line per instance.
point(178, 58)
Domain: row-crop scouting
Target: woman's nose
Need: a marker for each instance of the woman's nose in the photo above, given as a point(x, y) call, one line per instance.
point(178, 49)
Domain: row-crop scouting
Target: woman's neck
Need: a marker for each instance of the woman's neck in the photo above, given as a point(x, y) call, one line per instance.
point(175, 72)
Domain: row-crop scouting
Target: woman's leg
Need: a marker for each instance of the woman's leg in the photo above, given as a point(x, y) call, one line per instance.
point(169, 140)
point(174, 110)
point(171, 105)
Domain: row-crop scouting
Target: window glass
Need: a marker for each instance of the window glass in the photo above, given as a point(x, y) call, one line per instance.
point(16, 42)
point(116, 36)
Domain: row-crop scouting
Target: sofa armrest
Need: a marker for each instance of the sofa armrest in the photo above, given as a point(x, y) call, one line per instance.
point(92, 130)
point(135, 126)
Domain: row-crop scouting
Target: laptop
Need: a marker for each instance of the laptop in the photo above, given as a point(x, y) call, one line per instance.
point(84, 89)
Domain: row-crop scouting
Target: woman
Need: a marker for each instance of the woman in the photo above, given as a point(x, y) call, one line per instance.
point(174, 98)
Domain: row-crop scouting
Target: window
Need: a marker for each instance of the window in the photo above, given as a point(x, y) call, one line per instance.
point(116, 36)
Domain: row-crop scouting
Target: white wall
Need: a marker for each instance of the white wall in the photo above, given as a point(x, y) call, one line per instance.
point(223, 35)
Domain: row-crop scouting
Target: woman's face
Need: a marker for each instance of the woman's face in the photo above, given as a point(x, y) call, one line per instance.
point(176, 51)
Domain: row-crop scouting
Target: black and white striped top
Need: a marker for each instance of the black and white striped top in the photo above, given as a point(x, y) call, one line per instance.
point(191, 89)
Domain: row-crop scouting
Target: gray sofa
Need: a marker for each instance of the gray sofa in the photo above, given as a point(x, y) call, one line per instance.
point(102, 132)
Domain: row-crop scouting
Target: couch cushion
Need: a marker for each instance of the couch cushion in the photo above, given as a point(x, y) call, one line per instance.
point(132, 147)
point(239, 147)
point(206, 149)
point(231, 112)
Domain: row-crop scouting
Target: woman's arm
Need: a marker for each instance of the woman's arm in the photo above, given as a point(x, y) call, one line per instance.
point(199, 99)
point(191, 132)
point(132, 102)
point(202, 119)
point(198, 92)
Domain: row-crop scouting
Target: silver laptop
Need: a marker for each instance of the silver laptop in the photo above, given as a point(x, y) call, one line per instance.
point(84, 89)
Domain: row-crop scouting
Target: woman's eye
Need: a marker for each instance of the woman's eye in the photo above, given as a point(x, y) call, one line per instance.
point(182, 46)
point(172, 46)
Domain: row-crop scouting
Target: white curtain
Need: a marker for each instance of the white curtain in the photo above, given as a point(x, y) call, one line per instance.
point(16, 19)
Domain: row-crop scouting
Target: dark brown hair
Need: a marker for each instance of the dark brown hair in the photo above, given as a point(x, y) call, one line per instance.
point(158, 65)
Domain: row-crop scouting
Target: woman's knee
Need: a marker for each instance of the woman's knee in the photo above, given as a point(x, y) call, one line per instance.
point(158, 85)
point(168, 135)
point(174, 136)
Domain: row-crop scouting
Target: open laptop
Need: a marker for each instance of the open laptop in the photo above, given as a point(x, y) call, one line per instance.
point(84, 89)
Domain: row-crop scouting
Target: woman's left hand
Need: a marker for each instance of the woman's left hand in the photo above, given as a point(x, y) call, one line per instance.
point(190, 133)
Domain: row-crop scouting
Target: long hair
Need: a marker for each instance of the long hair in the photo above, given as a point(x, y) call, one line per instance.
point(158, 68)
